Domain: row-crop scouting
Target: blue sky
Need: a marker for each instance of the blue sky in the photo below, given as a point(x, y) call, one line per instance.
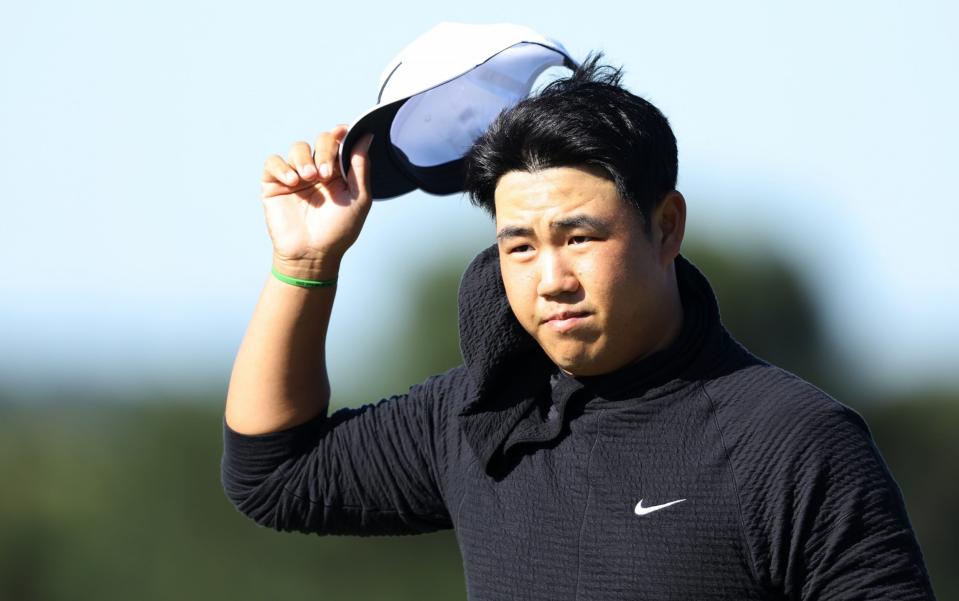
point(132, 137)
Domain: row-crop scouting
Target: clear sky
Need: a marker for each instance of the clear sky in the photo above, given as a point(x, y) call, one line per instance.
point(132, 137)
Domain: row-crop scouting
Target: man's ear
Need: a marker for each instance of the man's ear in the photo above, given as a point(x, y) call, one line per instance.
point(669, 221)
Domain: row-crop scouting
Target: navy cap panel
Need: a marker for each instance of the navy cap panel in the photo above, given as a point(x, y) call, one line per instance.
point(391, 173)
point(446, 178)
point(387, 179)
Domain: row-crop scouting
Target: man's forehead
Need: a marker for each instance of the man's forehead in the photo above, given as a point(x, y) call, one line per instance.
point(556, 198)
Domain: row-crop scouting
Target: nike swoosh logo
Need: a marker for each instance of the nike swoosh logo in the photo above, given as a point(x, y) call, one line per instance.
point(640, 510)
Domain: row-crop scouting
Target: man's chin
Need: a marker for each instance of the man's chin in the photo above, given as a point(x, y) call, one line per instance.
point(580, 364)
point(584, 363)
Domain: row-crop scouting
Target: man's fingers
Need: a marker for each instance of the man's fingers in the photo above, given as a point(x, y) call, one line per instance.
point(275, 169)
point(304, 164)
point(301, 158)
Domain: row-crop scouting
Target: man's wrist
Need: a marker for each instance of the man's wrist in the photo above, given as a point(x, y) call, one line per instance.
point(317, 269)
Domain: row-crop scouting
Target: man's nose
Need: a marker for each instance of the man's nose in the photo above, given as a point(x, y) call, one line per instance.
point(555, 275)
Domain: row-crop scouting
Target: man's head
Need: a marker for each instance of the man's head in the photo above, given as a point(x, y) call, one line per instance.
point(580, 180)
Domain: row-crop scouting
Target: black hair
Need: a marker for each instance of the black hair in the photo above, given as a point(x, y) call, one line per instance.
point(587, 119)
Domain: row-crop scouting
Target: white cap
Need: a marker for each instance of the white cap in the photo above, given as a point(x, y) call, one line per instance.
point(439, 94)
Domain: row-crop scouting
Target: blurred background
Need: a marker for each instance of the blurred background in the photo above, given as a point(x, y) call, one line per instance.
point(817, 156)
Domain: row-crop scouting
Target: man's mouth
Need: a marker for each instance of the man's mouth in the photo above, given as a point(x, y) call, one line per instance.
point(565, 321)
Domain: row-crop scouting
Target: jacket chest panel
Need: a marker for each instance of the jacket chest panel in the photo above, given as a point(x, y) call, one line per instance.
point(564, 522)
point(662, 512)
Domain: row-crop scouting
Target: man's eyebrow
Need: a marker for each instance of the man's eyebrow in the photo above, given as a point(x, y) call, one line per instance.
point(584, 221)
point(566, 223)
point(513, 231)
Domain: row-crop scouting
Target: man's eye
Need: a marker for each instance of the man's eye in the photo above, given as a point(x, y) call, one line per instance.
point(579, 239)
point(521, 248)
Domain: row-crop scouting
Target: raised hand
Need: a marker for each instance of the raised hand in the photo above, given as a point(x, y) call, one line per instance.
point(313, 213)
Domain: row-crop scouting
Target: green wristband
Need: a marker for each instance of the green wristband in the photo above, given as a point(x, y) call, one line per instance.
point(302, 283)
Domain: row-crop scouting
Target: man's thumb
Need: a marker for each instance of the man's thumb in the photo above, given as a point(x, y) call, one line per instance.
point(358, 178)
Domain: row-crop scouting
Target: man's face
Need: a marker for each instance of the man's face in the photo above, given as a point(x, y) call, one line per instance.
point(580, 274)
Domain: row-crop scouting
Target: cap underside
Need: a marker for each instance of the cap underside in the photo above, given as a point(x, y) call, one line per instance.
point(420, 141)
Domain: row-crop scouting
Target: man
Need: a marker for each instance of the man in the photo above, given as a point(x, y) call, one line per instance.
point(605, 437)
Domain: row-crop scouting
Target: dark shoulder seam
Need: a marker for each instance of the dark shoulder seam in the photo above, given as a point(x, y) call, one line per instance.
point(438, 470)
point(437, 409)
point(713, 409)
point(459, 506)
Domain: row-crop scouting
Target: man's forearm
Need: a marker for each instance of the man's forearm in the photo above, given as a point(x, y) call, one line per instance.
point(279, 376)
point(314, 214)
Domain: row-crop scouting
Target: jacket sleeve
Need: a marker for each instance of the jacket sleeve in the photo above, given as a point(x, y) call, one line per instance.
point(824, 516)
point(361, 471)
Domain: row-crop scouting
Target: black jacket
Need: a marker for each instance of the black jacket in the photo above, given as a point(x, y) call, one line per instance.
point(700, 472)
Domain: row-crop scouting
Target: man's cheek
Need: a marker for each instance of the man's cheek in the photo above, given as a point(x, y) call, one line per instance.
point(519, 308)
point(520, 287)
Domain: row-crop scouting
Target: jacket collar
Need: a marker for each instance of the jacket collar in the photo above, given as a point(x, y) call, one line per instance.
point(510, 373)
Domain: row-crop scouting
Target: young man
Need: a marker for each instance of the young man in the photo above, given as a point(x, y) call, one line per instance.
point(605, 437)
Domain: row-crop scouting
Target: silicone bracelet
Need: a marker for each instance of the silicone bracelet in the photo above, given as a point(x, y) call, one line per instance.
point(302, 283)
